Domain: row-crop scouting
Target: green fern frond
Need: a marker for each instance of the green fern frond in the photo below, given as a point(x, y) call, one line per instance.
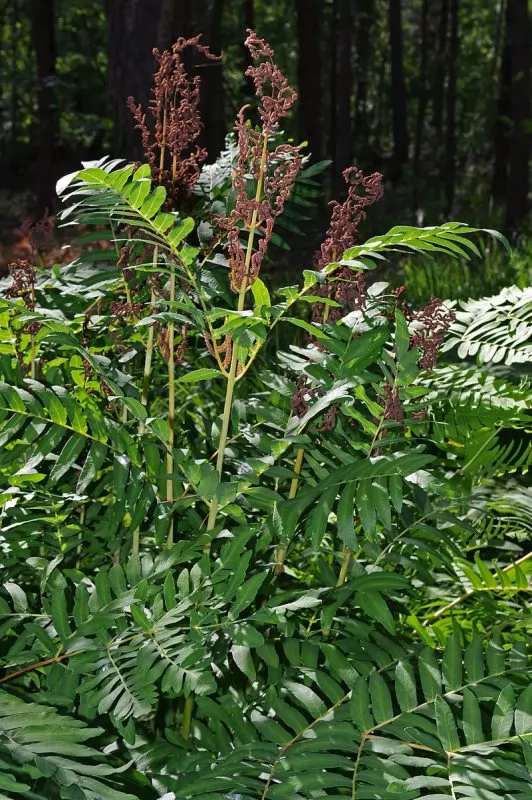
point(484, 421)
point(481, 394)
point(451, 238)
point(126, 197)
point(502, 511)
point(419, 727)
point(495, 330)
point(56, 435)
point(44, 754)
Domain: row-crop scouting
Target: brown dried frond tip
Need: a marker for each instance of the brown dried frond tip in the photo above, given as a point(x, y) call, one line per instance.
point(282, 97)
point(276, 168)
point(433, 322)
point(170, 142)
point(393, 410)
point(347, 216)
point(349, 286)
point(121, 311)
point(23, 276)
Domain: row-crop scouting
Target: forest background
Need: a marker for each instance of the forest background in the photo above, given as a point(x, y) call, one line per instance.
point(435, 94)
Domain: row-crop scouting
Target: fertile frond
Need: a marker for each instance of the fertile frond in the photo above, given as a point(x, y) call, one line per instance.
point(214, 184)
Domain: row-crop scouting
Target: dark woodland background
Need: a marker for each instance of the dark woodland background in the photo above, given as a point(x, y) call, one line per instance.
point(435, 94)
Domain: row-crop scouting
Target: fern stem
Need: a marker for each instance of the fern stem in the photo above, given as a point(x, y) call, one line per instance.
point(33, 364)
point(82, 512)
point(33, 347)
point(163, 143)
point(280, 551)
point(146, 378)
point(346, 565)
point(226, 418)
point(171, 411)
point(342, 577)
point(232, 377)
point(357, 765)
point(135, 542)
point(186, 724)
point(148, 355)
point(171, 382)
point(297, 470)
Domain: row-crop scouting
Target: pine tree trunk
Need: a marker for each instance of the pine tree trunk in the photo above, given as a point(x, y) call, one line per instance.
point(343, 93)
point(518, 172)
point(502, 131)
point(248, 12)
point(310, 101)
point(168, 23)
point(133, 28)
point(212, 88)
point(13, 72)
point(398, 90)
point(189, 18)
point(450, 123)
point(365, 21)
point(438, 89)
point(43, 37)
point(422, 102)
point(333, 111)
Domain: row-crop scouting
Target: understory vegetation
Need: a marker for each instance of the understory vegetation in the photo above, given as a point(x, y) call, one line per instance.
point(260, 542)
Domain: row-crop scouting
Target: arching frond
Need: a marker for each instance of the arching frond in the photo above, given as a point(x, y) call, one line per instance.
point(46, 755)
point(496, 330)
point(426, 726)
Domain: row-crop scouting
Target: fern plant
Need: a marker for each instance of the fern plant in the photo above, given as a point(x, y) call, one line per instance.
point(227, 574)
point(495, 330)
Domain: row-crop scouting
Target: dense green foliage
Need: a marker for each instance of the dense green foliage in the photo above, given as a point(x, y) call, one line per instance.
point(247, 552)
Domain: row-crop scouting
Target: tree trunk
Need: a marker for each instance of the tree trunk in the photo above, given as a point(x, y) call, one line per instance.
point(501, 144)
point(248, 11)
point(133, 29)
point(380, 123)
point(168, 23)
point(13, 71)
point(43, 37)
point(422, 102)
point(212, 88)
point(184, 18)
point(343, 93)
point(310, 103)
point(520, 42)
point(450, 129)
point(365, 20)
point(189, 18)
point(438, 90)
point(333, 111)
point(398, 90)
